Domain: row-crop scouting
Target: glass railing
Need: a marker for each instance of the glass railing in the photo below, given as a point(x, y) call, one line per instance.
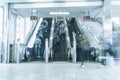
point(67, 35)
point(116, 27)
point(88, 32)
point(31, 32)
point(94, 41)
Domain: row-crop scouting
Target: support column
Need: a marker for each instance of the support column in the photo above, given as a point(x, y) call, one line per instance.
point(24, 28)
point(107, 22)
point(2, 36)
point(5, 42)
point(17, 39)
point(11, 37)
point(15, 36)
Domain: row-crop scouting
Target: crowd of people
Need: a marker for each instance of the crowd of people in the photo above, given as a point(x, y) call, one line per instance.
point(39, 37)
point(59, 32)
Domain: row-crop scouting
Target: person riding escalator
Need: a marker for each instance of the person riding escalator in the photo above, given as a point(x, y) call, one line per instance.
point(37, 47)
point(59, 34)
point(62, 30)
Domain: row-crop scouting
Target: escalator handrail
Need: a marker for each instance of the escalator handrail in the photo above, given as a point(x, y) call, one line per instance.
point(97, 20)
point(74, 48)
point(50, 46)
point(67, 36)
point(31, 32)
point(46, 50)
point(51, 35)
point(67, 40)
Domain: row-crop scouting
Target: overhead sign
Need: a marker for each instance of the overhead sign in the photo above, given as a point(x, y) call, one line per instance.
point(33, 17)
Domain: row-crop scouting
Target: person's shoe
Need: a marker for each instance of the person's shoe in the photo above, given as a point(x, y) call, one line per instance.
point(38, 56)
point(82, 66)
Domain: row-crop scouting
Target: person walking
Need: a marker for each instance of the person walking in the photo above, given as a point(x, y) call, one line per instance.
point(84, 51)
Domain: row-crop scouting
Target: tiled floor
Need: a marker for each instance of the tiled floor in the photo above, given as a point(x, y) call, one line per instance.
point(58, 71)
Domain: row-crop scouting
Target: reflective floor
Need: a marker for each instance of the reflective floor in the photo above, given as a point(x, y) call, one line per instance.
point(58, 71)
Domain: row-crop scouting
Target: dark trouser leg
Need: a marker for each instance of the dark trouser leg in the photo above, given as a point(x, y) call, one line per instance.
point(104, 60)
point(104, 52)
point(110, 52)
point(82, 57)
point(36, 52)
point(87, 55)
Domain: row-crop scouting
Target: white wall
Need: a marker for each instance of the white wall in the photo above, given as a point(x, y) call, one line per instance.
point(1, 23)
point(96, 13)
point(1, 32)
point(12, 27)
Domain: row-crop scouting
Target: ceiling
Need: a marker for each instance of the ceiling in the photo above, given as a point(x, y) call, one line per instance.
point(43, 9)
point(44, 12)
point(76, 9)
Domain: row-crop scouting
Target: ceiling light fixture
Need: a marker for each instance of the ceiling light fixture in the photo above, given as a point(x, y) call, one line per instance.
point(59, 13)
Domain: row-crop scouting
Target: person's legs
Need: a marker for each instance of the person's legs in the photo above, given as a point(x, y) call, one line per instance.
point(104, 54)
point(82, 57)
point(38, 52)
point(87, 54)
point(110, 52)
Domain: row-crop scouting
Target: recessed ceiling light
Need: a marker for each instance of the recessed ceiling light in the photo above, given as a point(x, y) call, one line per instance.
point(59, 13)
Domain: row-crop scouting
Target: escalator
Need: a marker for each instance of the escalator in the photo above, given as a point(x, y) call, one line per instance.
point(97, 30)
point(73, 27)
point(45, 36)
point(94, 31)
point(29, 41)
point(59, 51)
point(79, 39)
point(59, 48)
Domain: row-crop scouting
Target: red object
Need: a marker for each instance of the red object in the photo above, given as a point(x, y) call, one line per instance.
point(84, 18)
